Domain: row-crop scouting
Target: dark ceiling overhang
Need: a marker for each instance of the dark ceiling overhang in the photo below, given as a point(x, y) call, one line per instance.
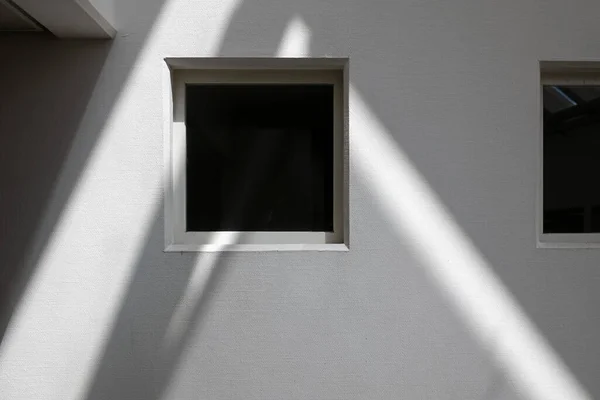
point(88, 19)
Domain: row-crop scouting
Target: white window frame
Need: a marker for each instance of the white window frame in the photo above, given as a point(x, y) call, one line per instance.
point(562, 73)
point(180, 72)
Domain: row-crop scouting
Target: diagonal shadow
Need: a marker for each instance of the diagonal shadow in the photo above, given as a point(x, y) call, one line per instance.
point(135, 362)
point(68, 88)
point(40, 111)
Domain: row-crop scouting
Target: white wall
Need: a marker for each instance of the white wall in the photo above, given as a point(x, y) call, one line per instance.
point(442, 295)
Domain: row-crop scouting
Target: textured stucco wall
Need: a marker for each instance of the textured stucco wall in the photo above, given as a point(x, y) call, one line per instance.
point(443, 294)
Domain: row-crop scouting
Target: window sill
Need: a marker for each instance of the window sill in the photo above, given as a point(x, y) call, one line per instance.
point(212, 248)
point(569, 241)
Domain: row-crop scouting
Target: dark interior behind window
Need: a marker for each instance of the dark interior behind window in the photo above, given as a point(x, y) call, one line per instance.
point(259, 157)
point(571, 154)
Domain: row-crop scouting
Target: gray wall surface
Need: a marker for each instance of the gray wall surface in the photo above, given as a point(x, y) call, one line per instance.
point(443, 293)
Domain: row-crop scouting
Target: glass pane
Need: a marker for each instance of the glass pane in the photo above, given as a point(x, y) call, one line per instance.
point(259, 157)
point(572, 161)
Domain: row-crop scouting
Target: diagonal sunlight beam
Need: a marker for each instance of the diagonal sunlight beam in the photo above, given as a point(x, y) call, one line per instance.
point(296, 39)
point(465, 277)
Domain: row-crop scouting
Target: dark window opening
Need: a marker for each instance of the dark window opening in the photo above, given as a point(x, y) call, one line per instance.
point(565, 220)
point(571, 159)
point(259, 157)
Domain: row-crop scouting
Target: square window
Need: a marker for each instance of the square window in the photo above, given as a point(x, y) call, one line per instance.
point(570, 198)
point(255, 158)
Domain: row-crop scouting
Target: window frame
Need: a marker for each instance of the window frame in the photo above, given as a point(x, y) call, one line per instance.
point(562, 73)
point(250, 71)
